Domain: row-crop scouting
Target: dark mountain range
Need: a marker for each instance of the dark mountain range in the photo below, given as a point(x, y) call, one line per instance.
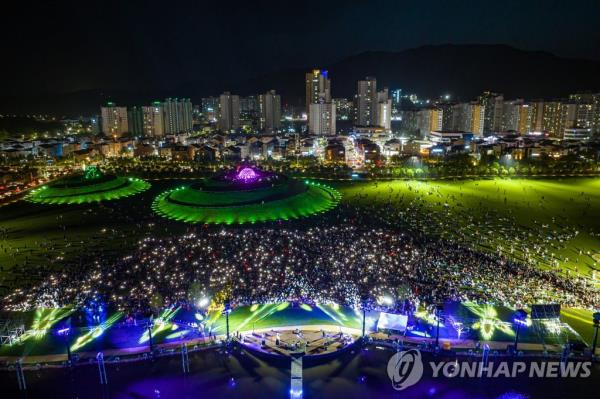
point(464, 71)
point(461, 70)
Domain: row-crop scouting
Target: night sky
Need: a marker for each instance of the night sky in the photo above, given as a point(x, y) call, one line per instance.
point(58, 47)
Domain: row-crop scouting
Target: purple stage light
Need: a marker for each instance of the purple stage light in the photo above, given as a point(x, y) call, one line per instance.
point(247, 175)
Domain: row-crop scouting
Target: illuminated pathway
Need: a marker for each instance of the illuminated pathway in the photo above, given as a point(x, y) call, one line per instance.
point(296, 377)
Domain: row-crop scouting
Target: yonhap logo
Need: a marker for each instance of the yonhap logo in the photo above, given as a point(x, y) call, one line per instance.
point(405, 369)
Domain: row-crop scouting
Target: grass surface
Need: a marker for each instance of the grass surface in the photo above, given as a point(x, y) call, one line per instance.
point(506, 216)
point(113, 189)
point(317, 198)
point(502, 215)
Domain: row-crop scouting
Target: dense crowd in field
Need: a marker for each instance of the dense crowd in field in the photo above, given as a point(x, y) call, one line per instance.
point(351, 255)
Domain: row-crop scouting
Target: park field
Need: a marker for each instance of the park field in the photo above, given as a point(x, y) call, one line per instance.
point(551, 223)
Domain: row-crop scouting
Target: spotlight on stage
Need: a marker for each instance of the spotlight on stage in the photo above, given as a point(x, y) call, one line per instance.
point(203, 302)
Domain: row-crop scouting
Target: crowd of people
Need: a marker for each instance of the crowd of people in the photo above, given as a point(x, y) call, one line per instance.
point(355, 254)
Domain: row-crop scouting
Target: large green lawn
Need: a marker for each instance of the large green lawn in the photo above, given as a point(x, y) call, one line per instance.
point(492, 215)
point(510, 216)
point(53, 236)
point(513, 216)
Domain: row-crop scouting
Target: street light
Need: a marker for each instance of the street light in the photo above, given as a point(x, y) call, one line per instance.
point(227, 311)
point(364, 304)
point(596, 318)
point(65, 332)
point(149, 325)
point(520, 319)
point(439, 309)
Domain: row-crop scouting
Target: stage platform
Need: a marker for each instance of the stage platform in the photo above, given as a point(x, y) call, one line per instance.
point(299, 341)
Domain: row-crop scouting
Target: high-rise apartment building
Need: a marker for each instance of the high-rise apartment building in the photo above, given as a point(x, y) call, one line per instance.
point(177, 115)
point(552, 118)
point(596, 113)
point(318, 86)
point(511, 115)
point(366, 102)
point(114, 120)
point(322, 118)
point(525, 119)
point(429, 120)
point(229, 115)
point(384, 110)
point(343, 108)
point(249, 107)
point(536, 117)
point(468, 117)
point(477, 119)
point(210, 108)
point(270, 111)
point(396, 101)
point(135, 121)
point(492, 104)
point(153, 120)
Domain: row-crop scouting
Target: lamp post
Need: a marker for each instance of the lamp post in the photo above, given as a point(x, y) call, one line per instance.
point(519, 318)
point(149, 326)
point(596, 319)
point(364, 303)
point(439, 309)
point(65, 334)
point(364, 322)
point(227, 311)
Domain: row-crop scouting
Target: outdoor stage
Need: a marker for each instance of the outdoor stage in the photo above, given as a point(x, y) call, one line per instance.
point(305, 340)
point(465, 326)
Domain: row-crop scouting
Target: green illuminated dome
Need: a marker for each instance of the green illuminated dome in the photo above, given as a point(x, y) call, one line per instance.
point(89, 186)
point(245, 195)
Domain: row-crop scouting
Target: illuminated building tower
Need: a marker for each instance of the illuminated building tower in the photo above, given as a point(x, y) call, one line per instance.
point(318, 86)
point(135, 121)
point(596, 113)
point(429, 120)
point(366, 102)
point(270, 111)
point(322, 119)
point(229, 115)
point(249, 108)
point(384, 110)
point(114, 120)
point(467, 117)
point(396, 101)
point(552, 119)
point(447, 109)
point(153, 123)
point(525, 119)
point(511, 114)
point(177, 115)
point(343, 108)
point(210, 108)
point(536, 116)
point(492, 119)
point(477, 119)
